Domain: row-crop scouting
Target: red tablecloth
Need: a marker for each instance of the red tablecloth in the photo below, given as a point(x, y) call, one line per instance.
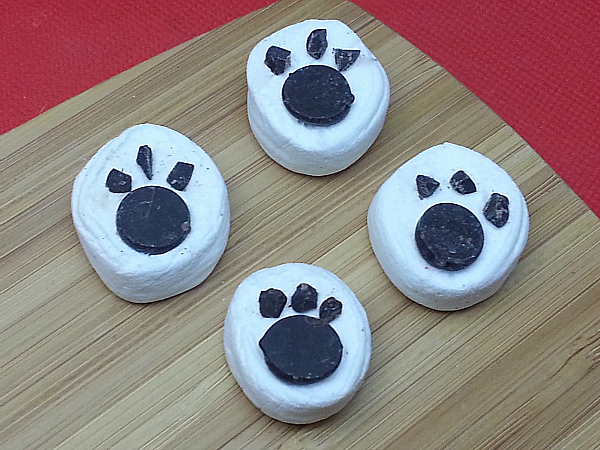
point(536, 63)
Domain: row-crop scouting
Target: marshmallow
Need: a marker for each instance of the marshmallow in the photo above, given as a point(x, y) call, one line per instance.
point(291, 364)
point(152, 213)
point(448, 227)
point(322, 130)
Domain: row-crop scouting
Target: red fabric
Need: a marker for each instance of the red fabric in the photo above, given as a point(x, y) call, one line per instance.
point(535, 63)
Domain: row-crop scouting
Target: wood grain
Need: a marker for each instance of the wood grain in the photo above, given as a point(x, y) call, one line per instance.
point(82, 369)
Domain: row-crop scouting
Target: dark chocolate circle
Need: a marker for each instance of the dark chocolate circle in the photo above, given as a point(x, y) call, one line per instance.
point(317, 94)
point(153, 220)
point(301, 349)
point(449, 236)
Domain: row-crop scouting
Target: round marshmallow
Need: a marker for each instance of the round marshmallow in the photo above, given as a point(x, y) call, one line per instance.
point(246, 325)
point(307, 148)
point(457, 186)
point(152, 213)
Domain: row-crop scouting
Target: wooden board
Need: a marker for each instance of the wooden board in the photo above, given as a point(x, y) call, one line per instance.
point(80, 368)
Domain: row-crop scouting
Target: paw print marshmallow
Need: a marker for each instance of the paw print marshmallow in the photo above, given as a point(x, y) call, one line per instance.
point(297, 341)
point(317, 97)
point(152, 213)
point(448, 227)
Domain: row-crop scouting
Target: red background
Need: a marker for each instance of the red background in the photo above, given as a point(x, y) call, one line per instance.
point(535, 63)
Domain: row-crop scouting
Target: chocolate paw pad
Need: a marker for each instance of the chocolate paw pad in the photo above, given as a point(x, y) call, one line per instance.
point(297, 340)
point(317, 97)
point(300, 348)
point(448, 227)
point(152, 219)
point(152, 213)
point(315, 94)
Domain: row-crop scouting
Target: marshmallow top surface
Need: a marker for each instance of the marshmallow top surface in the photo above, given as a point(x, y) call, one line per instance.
point(244, 327)
point(397, 208)
point(316, 150)
point(94, 212)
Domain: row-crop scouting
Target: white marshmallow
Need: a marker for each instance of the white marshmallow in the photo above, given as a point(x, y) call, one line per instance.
point(244, 327)
point(139, 277)
point(309, 149)
point(396, 209)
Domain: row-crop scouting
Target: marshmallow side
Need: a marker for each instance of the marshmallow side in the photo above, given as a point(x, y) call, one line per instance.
point(309, 149)
point(139, 277)
point(396, 209)
point(244, 327)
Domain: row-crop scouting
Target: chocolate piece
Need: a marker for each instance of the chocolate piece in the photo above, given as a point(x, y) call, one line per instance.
point(180, 175)
point(426, 186)
point(271, 303)
point(316, 43)
point(330, 309)
point(317, 95)
point(345, 58)
point(496, 210)
point(449, 236)
point(301, 349)
point(118, 182)
point(462, 183)
point(277, 59)
point(144, 160)
point(153, 220)
point(305, 298)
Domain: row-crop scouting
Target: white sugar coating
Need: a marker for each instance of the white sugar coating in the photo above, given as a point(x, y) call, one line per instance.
point(244, 327)
point(135, 276)
point(309, 149)
point(396, 209)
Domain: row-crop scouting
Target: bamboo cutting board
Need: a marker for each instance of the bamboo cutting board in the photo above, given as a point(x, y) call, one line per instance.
point(81, 369)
